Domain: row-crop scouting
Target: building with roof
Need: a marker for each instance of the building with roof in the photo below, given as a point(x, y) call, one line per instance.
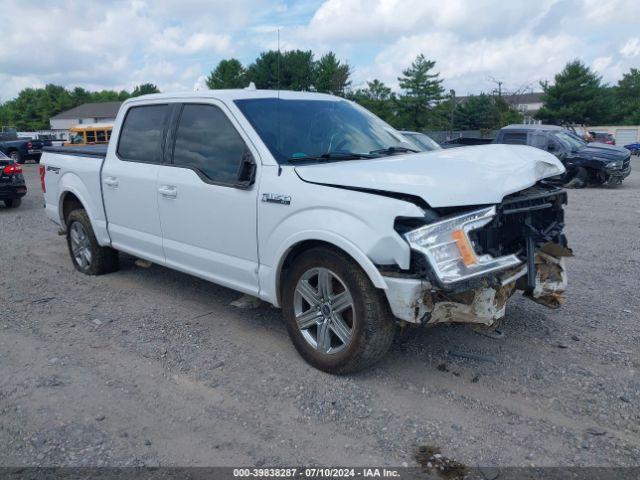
point(102, 112)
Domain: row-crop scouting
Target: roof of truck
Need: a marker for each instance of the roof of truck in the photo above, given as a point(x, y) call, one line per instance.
point(238, 94)
point(525, 126)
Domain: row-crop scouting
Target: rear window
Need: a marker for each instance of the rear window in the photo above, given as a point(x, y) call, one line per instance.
point(515, 138)
point(141, 134)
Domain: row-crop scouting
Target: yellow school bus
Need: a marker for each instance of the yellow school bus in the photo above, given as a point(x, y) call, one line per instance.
point(90, 134)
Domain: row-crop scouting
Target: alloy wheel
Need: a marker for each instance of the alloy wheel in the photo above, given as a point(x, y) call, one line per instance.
point(80, 245)
point(324, 310)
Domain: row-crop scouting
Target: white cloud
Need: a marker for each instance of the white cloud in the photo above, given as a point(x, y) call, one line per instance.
point(175, 43)
point(175, 40)
point(631, 48)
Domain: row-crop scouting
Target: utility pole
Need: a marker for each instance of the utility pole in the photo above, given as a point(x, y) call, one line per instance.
point(499, 83)
point(452, 94)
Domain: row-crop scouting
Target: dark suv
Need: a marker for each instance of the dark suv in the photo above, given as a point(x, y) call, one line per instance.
point(586, 163)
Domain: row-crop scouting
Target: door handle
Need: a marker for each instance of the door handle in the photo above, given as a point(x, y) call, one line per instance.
point(111, 182)
point(168, 191)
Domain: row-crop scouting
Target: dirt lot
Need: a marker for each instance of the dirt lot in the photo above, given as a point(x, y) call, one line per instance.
point(153, 367)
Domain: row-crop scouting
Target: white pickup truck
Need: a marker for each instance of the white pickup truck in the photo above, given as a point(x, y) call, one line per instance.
point(313, 204)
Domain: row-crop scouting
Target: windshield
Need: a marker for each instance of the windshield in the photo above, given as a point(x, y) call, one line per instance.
point(423, 141)
point(577, 138)
point(297, 129)
point(569, 141)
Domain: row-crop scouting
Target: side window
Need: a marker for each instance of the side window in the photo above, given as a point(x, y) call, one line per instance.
point(207, 141)
point(515, 138)
point(141, 134)
point(91, 136)
point(538, 140)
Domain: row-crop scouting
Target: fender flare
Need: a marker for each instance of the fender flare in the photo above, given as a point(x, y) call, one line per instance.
point(70, 183)
point(273, 280)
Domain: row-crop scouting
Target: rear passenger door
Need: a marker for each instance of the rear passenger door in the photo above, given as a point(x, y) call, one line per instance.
point(129, 182)
point(207, 201)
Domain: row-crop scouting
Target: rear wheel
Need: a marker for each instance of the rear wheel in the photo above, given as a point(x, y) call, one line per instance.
point(13, 203)
point(338, 321)
point(86, 254)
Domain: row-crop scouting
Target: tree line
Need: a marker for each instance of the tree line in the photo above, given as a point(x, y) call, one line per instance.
point(33, 107)
point(577, 95)
point(421, 103)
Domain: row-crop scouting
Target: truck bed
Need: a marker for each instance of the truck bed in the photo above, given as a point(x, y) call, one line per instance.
point(99, 151)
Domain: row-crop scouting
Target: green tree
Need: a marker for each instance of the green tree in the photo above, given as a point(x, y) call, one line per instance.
point(144, 89)
point(228, 74)
point(477, 112)
point(378, 99)
point(33, 107)
point(627, 98)
point(576, 97)
point(292, 70)
point(331, 75)
point(421, 92)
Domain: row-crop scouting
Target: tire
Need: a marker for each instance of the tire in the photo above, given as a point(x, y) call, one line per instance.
point(89, 257)
point(16, 156)
point(369, 324)
point(579, 179)
point(13, 203)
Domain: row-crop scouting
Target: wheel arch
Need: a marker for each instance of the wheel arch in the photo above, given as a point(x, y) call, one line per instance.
point(338, 244)
point(69, 201)
point(73, 192)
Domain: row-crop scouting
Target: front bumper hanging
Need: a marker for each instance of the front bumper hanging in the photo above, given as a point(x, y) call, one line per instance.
point(418, 301)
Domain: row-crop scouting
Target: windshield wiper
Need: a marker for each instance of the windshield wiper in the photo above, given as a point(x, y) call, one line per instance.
point(392, 150)
point(331, 156)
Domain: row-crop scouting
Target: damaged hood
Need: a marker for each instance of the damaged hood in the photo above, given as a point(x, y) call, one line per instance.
point(443, 178)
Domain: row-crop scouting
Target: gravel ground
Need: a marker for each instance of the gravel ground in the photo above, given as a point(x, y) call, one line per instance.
point(148, 366)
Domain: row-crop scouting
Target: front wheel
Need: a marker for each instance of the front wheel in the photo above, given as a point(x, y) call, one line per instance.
point(338, 321)
point(87, 255)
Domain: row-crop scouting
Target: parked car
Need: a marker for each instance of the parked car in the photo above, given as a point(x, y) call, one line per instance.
point(586, 163)
point(634, 148)
point(603, 137)
point(12, 184)
point(466, 142)
point(424, 142)
point(21, 149)
point(314, 205)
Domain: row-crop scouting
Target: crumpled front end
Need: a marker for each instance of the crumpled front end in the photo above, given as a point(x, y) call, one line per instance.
point(466, 266)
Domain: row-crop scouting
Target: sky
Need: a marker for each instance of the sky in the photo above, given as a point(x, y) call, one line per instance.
point(175, 44)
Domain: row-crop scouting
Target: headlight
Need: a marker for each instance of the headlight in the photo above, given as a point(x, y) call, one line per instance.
point(614, 165)
point(447, 246)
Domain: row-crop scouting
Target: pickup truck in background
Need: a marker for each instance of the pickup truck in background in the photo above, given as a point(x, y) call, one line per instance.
point(586, 163)
point(21, 149)
point(315, 205)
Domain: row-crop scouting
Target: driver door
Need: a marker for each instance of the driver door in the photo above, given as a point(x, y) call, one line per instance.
point(207, 200)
